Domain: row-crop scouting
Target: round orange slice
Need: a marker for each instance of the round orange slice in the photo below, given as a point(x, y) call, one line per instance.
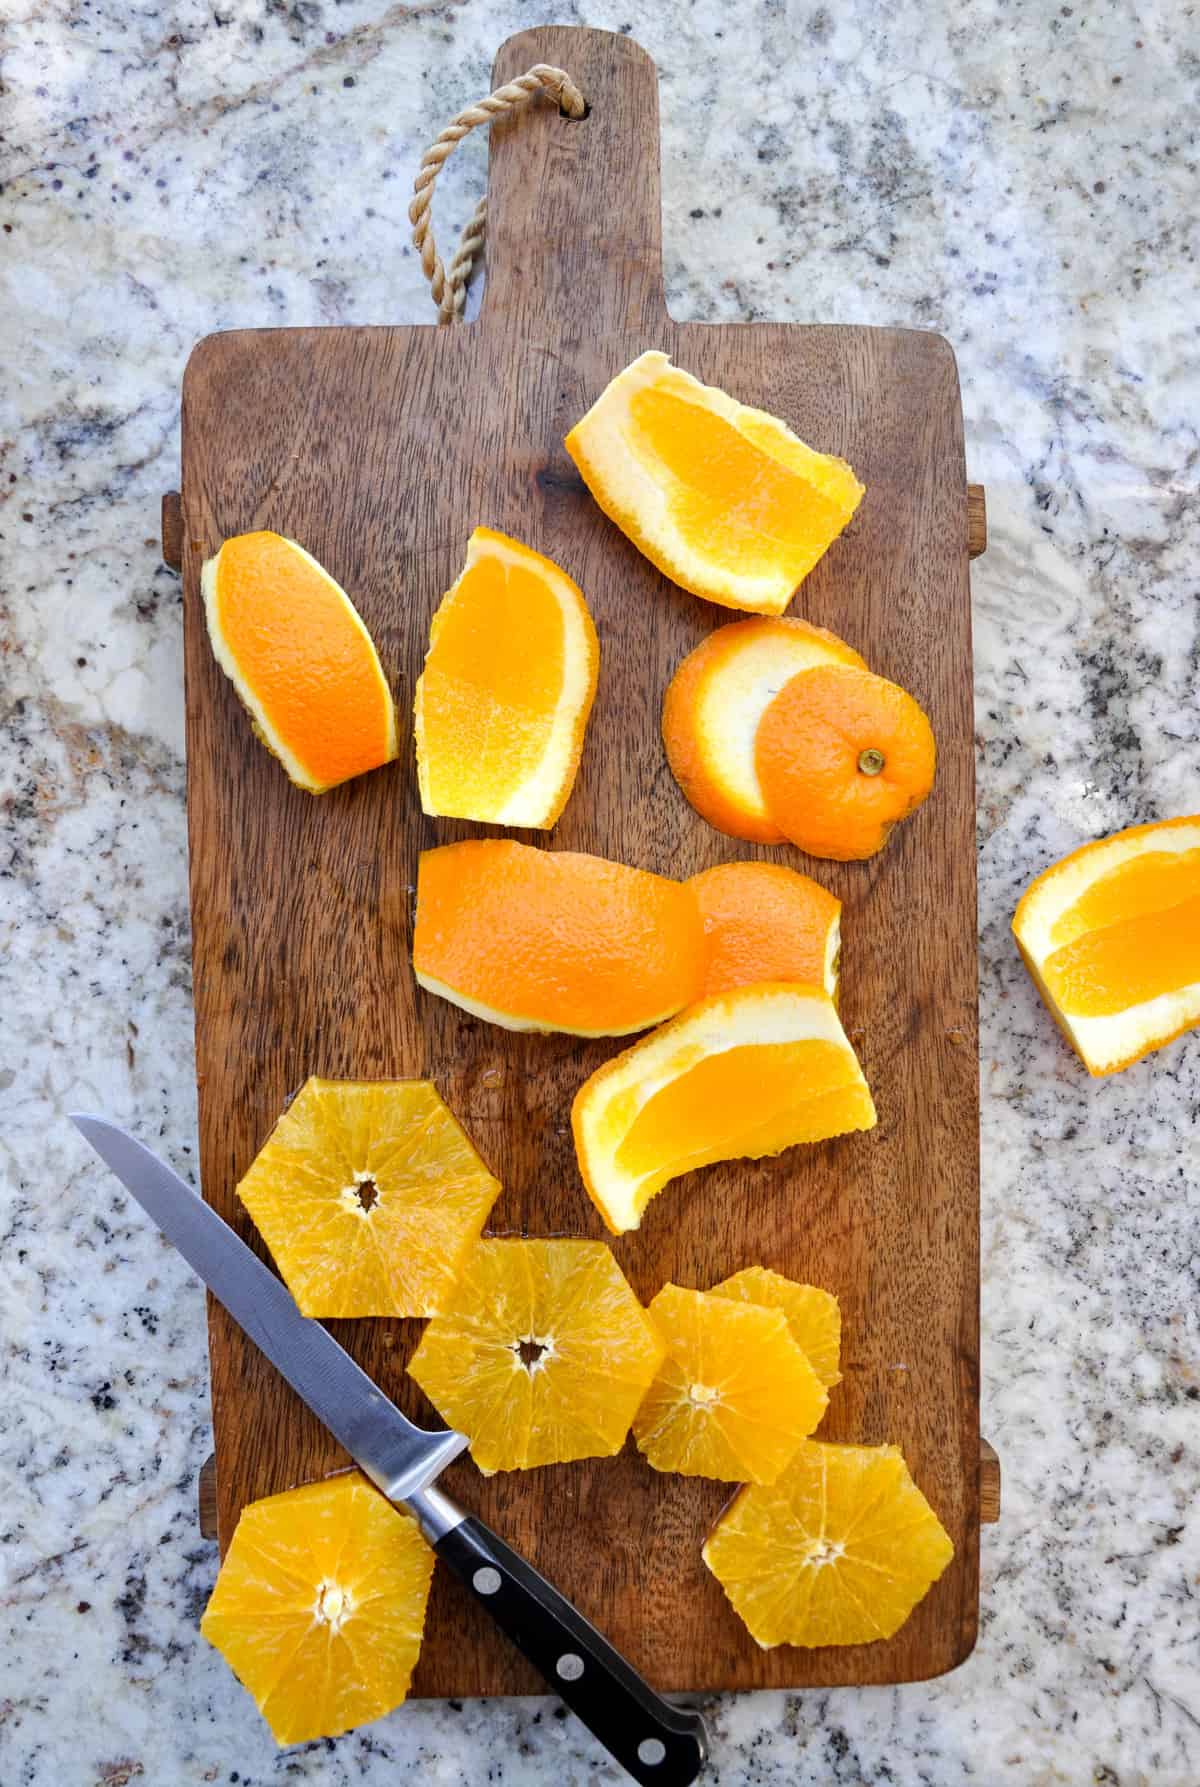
point(746, 1073)
point(724, 499)
point(841, 757)
point(503, 701)
point(765, 922)
point(319, 1606)
point(291, 642)
point(542, 1354)
point(733, 1397)
point(838, 1550)
point(555, 940)
point(712, 710)
point(1111, 936)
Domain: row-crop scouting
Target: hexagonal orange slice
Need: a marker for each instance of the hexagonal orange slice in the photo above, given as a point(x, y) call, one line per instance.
point(734, 1395)
point(724, 499)
point(838, 1550)
point(319, 1606)
point(369, 1195)
point(291, 642)
point(541, 1355)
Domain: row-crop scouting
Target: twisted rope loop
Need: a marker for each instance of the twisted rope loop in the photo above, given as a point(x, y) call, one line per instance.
point(448, 285)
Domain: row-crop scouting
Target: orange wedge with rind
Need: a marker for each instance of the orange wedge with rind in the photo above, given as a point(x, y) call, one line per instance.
point(319, 1606)
point(725, 500)
point(1111, 936)
point(294, 647)
point(747, 1073)
point(838, 1550)
point(541, 1356)
point(842, 756)
point(713, 706)
point(813, 1315)
point(502, 704)
point(554, 940)
point(733, 1397)
point(766, 922)
point(369, 1195)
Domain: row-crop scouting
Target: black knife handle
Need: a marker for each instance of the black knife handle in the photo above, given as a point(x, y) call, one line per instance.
point(659, 1744)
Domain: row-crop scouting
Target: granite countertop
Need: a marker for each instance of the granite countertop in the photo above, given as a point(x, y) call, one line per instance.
point(1019, 177)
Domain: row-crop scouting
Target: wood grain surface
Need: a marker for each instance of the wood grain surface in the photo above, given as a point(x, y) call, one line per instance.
point(379, 449)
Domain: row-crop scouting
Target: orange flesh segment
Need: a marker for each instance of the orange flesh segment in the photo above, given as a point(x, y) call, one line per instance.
point(735, 502)
point(797, 1092)
point(1152, 882)
point(305, 657)
point(509, 671)
point(503, 699)
point(1106, 971)
point(765, 922)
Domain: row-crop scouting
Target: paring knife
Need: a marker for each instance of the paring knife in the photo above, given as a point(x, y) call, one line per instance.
point(659, 1744)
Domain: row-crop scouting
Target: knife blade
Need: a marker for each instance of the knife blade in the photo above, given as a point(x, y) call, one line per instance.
point(660, 1745)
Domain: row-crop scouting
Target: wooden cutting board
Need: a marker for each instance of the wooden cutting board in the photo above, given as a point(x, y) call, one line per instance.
point(380, 449)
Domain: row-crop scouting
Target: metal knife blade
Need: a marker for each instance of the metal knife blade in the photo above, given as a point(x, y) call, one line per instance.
point(399, 1457)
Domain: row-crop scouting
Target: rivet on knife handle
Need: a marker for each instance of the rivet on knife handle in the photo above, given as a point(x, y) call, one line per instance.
point(659, 1744)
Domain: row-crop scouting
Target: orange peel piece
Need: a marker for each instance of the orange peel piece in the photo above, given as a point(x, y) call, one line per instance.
point(294, 647)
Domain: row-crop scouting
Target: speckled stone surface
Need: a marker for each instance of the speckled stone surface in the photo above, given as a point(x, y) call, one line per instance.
point(1019, 176)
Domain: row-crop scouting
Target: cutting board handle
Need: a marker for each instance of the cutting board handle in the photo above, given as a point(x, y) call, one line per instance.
point(574, 227)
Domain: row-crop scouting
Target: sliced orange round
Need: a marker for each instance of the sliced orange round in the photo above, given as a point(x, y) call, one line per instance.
point(555, 940)
point(733, 1397)
point(841, 757)
point(319, 1606)
point(542, 1354)
point(813, 1315)
point(838, 1550)
point(765, 922)
point(291, 642)
point(503, 701)
point(713, 706)
point(1111, 936)
point(369, 1196)
point(724, 499)
point(746, 1073)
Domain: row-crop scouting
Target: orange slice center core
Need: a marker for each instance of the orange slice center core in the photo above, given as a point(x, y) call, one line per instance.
point(334, 1605)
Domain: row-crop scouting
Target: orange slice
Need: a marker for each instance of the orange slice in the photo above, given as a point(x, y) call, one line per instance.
point(734, 1396)
point(541, 940)
point(1111, 936)
point(319, 1606)
point(542, 1354)
point(838, 1550)
point(841, 757)
point(503, 701)
point(369, 1196)
point(765, 922)
point(745, 1073)
point(725, 500)
point(713, 706)
point(291, 642)
point(812, 1315)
